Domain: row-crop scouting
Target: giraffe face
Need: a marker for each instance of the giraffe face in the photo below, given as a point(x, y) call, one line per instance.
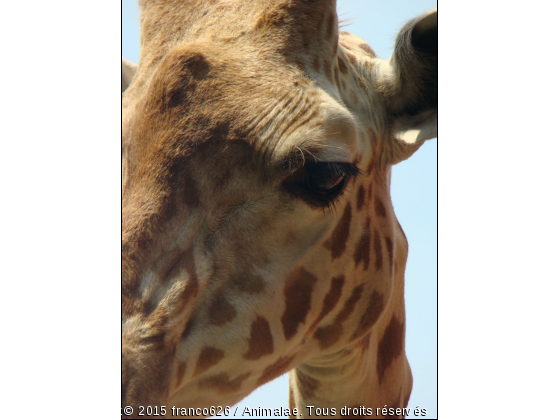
point(257, 224)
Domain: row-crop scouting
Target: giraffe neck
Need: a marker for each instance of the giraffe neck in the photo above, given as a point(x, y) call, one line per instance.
point(372, 373)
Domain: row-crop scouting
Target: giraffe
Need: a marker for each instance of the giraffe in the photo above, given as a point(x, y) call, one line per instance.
point(259, 236)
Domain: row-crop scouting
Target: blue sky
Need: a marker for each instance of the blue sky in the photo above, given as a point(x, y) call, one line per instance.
point(414, 192)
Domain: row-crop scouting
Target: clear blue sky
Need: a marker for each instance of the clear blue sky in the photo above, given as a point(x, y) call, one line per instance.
point(414, 192)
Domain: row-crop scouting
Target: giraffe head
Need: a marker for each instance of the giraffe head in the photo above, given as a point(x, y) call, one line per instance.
point(258, 231)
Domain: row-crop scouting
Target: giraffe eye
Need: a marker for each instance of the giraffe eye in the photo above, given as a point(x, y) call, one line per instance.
point(324, 183)
point(319, 184)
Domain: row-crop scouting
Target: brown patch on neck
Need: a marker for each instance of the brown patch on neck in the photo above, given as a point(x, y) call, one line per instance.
point(378, 250)
point(209, 356)
point(250, 283)
point(297, 292)
point(331, 299)
point(221, 311)
point(361, 198)
point(330, 334)
point(341, 233)
point(371, 314)
point(380, 207)
point(363, 248)
point(390, 347)
point(261, 342)
point(327, 336)
point(390, 250)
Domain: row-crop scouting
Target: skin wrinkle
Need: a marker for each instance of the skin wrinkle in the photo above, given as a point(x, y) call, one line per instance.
point(225, 93)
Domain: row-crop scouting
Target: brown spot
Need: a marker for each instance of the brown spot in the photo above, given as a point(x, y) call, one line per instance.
point(350, 304)
point(331, 299)
point(328, 335)
point(276, 369)
point(250, 283)
point(180, 72)
point(362, 252)
point(180, 373)
point(221, 311)
point(297, 292)
point(342, 65)
point(371, 315)
point(341, 233)
point(390, 347)
point(380, 208)
point(351, 57)
point(260, 342)
point(222, 383)
point(306, 384)
point(378, 250)
point(330, 25)
point(361, 195)
point(366, 48)
point(389, 243)
point(209, 356)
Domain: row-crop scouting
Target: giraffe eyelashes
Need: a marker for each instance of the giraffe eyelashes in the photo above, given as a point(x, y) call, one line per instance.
point(319, 184)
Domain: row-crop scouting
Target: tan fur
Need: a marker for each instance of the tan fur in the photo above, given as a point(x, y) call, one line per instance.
point(229, 278)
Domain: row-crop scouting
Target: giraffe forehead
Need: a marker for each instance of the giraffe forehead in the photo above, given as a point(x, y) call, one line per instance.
point(205, 94)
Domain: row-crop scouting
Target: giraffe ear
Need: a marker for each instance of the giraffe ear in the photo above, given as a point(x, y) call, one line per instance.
point(128, 70)
point(412, 101)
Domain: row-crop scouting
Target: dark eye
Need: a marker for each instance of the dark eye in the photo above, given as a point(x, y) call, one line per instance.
point(323, 183)
point(320, 184)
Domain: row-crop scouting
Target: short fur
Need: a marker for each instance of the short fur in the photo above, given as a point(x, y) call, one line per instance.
point(229, 279)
